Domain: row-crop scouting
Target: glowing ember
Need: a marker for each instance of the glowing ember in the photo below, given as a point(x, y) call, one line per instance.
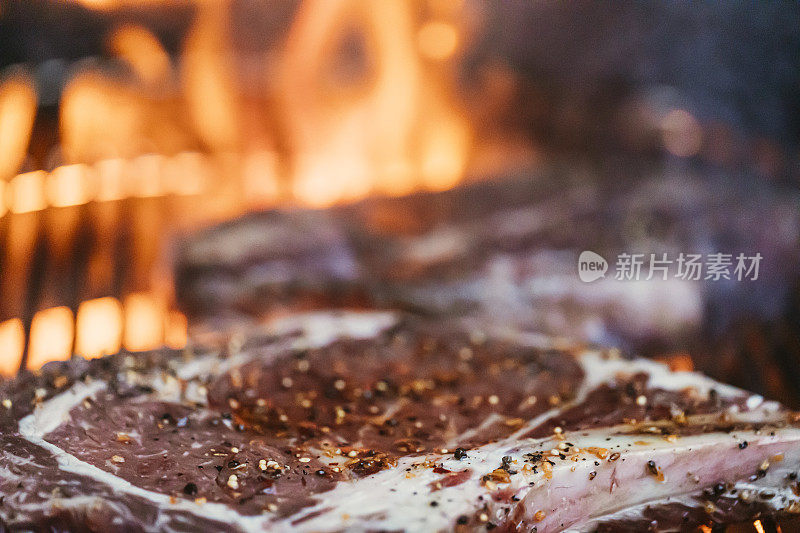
point(175, 335)
point(51, 336)
point(70, 185)
point(97, 330)
point(678, 362)
point(144, 322)
point(99, 327)
point(26, 192)
point(143, 52)
point(437, 40)
point(12, 339)
point(17, 111)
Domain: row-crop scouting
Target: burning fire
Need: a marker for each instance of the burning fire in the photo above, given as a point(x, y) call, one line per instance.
point(391, 129)
point(361, 100)
point(102, 326)
point(17, 111)
point(365, 96)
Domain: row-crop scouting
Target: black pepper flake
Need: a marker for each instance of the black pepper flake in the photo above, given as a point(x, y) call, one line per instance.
point(743, 445)
point(651, 466)
point(462, 520)
point(190, 489)
point(592, 475)
point(614, 456)
point(460, 453)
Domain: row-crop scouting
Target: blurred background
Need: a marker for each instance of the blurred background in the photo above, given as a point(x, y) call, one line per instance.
point(126, 125)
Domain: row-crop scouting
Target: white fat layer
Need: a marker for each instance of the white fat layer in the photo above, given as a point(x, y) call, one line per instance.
point(322, 328)
point(772, 482)
point(49, 415)
point(599, 370)
point(399, 499)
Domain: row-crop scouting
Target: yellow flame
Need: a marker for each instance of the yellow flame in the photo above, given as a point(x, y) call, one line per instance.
point(100, 118)
point(390, 129)
point(260, 177)
point(437, 40)
point(17, 112)
point(106, 5)
point(147, 170)
point(111, 179)
point(70, 185)
point(101, 327)
point(176, 330)
point(186, 174)
point(12, 339)
point(98, 327)
point(209, 80)
point(25, 192)
point(3, 200)
point(143, 52)
point(51, 336)
point(383, 120)
point(144, 322)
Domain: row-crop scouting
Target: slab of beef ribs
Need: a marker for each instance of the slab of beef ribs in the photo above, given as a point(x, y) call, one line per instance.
point(377, 421)
point(508, 251)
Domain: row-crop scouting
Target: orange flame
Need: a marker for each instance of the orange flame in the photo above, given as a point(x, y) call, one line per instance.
point(391, 129)
point(12, 339)
point(51, 336)
point(99, 327)
point(143, 52)
point(391, 125)
point(144, 322)
point(361, 101)
point(211, 90)
point(17, 112)
point(102, 326)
